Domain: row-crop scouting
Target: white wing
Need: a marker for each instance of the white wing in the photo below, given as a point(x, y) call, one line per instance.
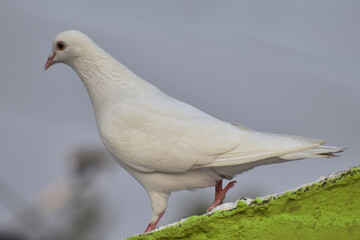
point(166, 135)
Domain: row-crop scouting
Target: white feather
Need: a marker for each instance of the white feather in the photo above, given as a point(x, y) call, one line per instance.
point(168, 145)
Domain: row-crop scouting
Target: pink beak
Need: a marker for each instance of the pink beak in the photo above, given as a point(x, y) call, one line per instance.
point(50, 61)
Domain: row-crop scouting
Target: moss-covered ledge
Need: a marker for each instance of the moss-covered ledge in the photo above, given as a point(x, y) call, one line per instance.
point(326, 209)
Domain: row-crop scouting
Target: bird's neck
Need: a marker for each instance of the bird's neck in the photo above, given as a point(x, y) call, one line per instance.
point(107, 80)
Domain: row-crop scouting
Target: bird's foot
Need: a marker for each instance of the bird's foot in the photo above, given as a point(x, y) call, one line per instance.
point(220, 194)
point(152, 225)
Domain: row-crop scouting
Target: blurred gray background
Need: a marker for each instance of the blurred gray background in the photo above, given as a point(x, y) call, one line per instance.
point(287, 67)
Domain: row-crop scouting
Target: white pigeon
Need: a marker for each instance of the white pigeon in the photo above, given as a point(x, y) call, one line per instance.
point(165, 144)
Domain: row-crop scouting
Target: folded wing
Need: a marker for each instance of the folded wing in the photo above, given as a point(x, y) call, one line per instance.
point(166, 135)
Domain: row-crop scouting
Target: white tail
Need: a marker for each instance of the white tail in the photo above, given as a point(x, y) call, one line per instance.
point(319, 152)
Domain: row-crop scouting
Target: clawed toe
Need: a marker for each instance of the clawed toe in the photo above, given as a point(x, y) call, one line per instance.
point(220, 194)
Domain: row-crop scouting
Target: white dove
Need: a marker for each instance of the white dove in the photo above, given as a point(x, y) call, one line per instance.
point(165, 144)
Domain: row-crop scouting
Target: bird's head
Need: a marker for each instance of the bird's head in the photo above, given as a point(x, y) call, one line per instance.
point(67, 46)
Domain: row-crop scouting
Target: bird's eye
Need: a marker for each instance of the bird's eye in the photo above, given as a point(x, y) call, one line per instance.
point(60, 45)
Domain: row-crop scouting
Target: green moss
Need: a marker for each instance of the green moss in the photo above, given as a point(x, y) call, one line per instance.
point(328, 209)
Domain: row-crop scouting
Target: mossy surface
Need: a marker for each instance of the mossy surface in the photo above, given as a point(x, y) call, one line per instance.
point(328, 209)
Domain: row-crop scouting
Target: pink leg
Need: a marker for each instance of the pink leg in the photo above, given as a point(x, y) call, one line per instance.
point(152, 226)
point(220, 193)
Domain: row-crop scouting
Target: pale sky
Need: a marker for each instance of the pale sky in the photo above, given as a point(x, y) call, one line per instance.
point(289, 67)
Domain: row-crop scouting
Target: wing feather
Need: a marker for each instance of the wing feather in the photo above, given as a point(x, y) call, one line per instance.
point(166, 135)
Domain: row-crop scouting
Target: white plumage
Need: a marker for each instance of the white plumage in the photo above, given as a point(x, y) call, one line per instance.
point(165, 144)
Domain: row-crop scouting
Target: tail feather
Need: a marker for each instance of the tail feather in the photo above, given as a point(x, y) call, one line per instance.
point(319, 152)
